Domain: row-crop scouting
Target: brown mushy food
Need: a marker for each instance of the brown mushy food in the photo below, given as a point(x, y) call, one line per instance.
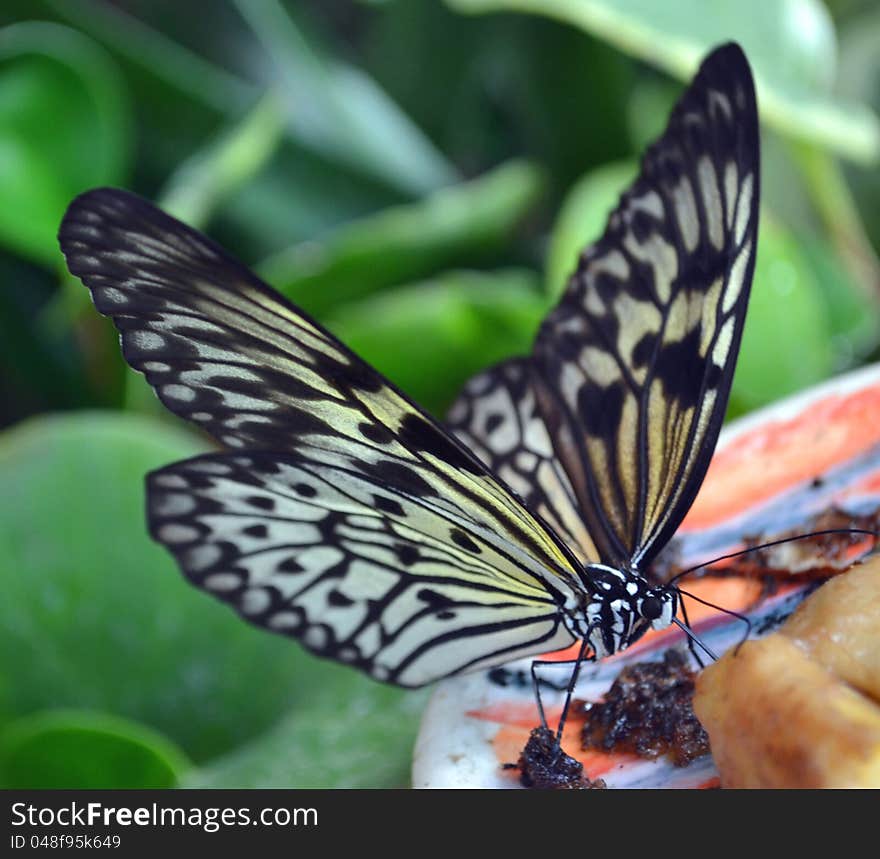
point(544, 766)
point(648, 711)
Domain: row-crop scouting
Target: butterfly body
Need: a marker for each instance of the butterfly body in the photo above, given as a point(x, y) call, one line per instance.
point(621, 606)
point(341, 514)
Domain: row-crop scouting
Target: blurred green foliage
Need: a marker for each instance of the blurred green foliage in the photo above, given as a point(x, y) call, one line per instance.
point(420, 176)
point(54, 749)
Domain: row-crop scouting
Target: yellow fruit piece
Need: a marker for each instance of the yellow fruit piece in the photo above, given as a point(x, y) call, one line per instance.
point(778, 719)
point(839, 627)
point(801, 708)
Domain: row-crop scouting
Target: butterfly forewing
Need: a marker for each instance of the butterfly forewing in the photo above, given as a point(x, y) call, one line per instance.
point(226, 352)
point(634, 365)
point(220, 348)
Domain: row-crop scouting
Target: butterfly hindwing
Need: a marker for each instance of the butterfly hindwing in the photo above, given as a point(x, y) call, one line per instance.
point(406, 588)
point(496, 415)
point(634, 365)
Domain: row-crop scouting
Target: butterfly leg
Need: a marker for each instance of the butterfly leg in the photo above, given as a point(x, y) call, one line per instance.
point(571, 684)
point(568, 688)
point(536, 685)
point(537, 682)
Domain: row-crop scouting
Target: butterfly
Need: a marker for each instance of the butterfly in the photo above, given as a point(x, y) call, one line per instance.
point(341, 514)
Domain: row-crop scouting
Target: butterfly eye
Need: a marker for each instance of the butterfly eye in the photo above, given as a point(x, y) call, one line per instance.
point(651, 608)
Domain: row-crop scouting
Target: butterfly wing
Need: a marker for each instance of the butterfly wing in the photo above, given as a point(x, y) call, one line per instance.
point(225, 351)
point(496, 415)
point(403, 586)
point(633, 368)
point(220, 348)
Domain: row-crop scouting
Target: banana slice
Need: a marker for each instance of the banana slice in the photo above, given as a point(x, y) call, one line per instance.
point(801, 707)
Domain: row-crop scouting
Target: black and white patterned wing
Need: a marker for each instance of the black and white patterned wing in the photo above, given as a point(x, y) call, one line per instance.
point(360, 570)
point(496, 416)
point(220, 348)
point(635, 363)
point(225, 351)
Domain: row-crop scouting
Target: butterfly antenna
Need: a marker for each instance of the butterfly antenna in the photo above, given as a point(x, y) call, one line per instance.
point(769, 545)
point(571, 684)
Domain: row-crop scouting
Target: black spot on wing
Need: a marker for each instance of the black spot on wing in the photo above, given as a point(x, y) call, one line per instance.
point(388, 505)
point(601, 409)
point(463, 541)
point(357, 375)
point(338, 599)
point(569, 345)
point(420, 436)
point(642, 225)
point(644, 350)
point(400, 477)
point(714, 376)
point(439, 603)
point(290, 565)
point(493, 422)
point(376, 433)
point(608, 289)
point(681, 369)
point(303, 423)
point(407, 553)
point(435, 599)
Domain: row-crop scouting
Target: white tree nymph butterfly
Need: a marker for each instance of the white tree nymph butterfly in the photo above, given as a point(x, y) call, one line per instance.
point(341, 514)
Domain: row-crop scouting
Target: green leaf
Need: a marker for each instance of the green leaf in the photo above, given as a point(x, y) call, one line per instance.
point(430, 337)
point(96, 616)
point(452, 226)
point(853, 315)
point(337, 109)
point(85, 750)
point(63, 128)
point(362, 740)
point(295, 198)
point(41, 368)
point(207, 177)
point(833, 201)
point(786, 343)
point(791, 47)
point(161, 56)
point(334, 109)
point(581, 220)
point(858, 79)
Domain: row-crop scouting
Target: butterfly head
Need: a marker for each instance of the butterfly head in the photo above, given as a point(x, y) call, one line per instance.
point(621, 607)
